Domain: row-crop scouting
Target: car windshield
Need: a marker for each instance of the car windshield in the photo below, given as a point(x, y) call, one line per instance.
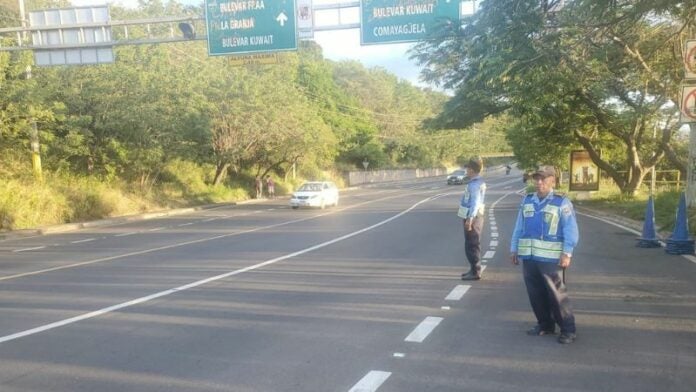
point(310, 188)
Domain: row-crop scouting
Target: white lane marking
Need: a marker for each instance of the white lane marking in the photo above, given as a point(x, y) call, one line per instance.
point(494, 228)
point(126, 234)
point(494, 243)
point(209, 219)
point(494, 234)
point(423, 329)
point(212, 238)
point(399, 355)
point(489, 254)
point(81, 241)
point(690, 258)
point(458, 292)
point(28, 249)
point(185, 224)
point(270, 209)
point(483, 268)
point(157, 229)
point(372, 380)
point(197, 283)
point(445, 308)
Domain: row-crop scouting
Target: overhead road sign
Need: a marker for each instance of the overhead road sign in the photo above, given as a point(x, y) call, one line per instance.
point(250, 26)
point(394, 21)
point(72, 36)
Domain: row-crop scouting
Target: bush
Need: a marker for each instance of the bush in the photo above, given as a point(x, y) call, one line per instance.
point(24, 205)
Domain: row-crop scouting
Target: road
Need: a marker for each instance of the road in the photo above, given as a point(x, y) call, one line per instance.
point(362, 297)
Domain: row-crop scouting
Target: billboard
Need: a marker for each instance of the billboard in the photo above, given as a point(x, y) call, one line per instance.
point(584, 174)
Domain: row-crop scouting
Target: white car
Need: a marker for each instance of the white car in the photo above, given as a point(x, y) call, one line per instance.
point(315, 194)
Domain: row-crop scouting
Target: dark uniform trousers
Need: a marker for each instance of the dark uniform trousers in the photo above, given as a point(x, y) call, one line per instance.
point(547, 295)
point(472, 243)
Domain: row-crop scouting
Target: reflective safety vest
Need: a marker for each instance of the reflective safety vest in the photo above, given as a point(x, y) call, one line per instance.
point(541, 239)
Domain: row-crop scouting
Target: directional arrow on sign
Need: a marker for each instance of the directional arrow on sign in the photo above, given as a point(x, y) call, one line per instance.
point(282, 18)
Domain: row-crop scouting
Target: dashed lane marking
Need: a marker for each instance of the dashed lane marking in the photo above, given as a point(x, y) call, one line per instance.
point(489, 254)
point(423, 329)
point(81, 241)
point(126, 234)
point(458, 292)
point(28, 249)
point(494, 243)
point(372, 380)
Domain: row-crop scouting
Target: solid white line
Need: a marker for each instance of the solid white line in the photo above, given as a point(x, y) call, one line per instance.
point(126, 234)
point(372, 380)
point(489, 254)
point(690, 258)
point(209, 219)
point(81, 241)
point(494, 243)
point(458, 292)
point(185, 224)
point(28, 249)
point(423, 329)
point(157, 229)
point(197, 283)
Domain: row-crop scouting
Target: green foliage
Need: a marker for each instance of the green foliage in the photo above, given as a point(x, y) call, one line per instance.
point(167, 125)
point(595, 75)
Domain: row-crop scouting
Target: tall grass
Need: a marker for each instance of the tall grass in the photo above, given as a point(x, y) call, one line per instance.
point(25, 203)
point(610, 199)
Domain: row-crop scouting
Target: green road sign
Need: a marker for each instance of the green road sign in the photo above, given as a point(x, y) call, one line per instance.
point(392, 21)
point(250, 26)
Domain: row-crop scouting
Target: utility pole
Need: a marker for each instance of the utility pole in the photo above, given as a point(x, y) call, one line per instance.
point(34, 131)
point(691, 168)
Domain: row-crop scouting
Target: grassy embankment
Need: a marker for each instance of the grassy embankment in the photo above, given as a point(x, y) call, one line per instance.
point(610, 200)
point(24, 203)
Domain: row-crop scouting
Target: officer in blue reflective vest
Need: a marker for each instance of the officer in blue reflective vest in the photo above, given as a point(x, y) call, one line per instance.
point(471, 211)
point(545, 234)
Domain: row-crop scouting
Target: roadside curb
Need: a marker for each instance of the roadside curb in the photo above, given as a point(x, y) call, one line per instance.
point(628, 222)
point(68, 227)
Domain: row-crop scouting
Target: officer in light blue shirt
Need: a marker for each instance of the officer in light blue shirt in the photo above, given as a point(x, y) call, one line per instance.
point(471, 208)
point(545, 234)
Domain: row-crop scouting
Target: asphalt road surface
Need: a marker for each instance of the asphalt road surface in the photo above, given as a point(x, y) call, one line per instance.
point(362, 297)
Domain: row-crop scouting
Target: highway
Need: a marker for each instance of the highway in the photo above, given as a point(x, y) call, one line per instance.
point(362, 297)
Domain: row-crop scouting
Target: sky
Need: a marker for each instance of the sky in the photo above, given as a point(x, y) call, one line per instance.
point(337, 44)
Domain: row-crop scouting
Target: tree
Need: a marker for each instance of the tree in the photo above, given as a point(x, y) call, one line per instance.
point(596, 75)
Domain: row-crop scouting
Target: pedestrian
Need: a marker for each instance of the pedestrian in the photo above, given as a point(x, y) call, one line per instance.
point(507, 169)
point(259, 187)
point(471, 211)
point(270, 187)
point(545, 234)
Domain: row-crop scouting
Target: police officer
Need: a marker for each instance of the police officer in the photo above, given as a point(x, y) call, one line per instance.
point(544, 237)
point(471, 211)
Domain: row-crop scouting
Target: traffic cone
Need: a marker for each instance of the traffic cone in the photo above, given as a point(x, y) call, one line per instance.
point(679, 243)
point(648, 239)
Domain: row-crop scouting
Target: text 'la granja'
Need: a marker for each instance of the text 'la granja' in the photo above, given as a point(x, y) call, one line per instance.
point(245, 5)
